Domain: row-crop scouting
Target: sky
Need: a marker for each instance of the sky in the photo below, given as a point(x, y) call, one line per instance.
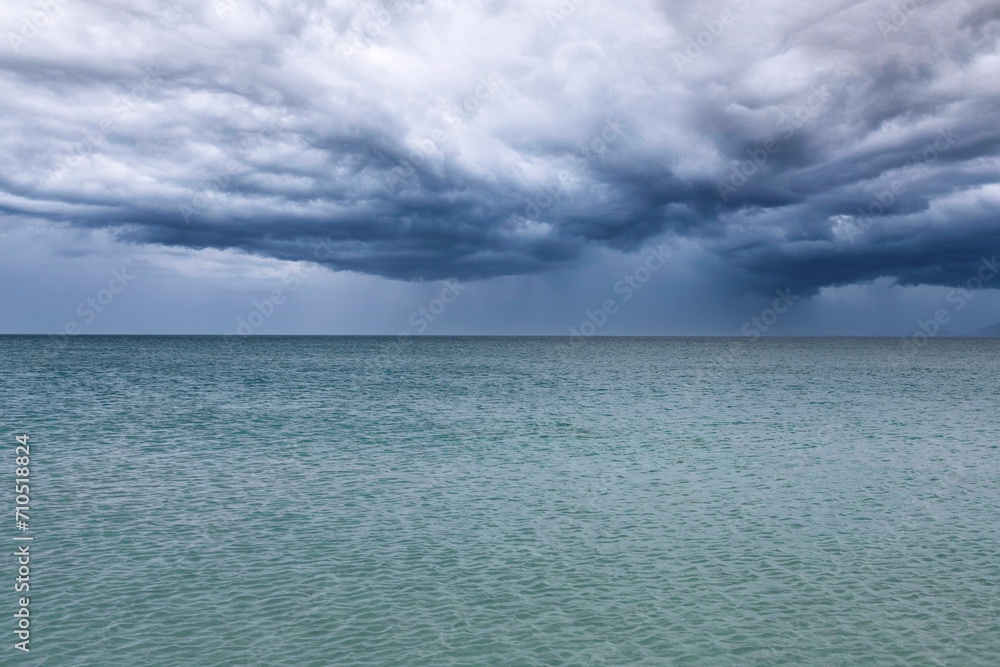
point(737, 167)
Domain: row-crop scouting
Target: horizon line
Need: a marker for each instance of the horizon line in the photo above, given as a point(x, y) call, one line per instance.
point(429, 336)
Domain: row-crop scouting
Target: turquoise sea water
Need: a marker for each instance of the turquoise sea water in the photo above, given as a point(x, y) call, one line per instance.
point(469, 501)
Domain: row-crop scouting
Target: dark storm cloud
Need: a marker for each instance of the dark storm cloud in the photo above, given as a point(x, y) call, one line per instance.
point(803, 145)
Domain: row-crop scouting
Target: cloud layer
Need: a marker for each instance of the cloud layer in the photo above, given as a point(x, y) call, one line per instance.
point(802, 145)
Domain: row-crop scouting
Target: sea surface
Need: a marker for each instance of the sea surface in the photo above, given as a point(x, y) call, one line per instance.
point(505, 501)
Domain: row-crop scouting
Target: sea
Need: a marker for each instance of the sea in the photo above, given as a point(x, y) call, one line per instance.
point(504, 501)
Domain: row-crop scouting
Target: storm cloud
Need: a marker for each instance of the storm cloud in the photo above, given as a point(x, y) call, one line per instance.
point(803, 145)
